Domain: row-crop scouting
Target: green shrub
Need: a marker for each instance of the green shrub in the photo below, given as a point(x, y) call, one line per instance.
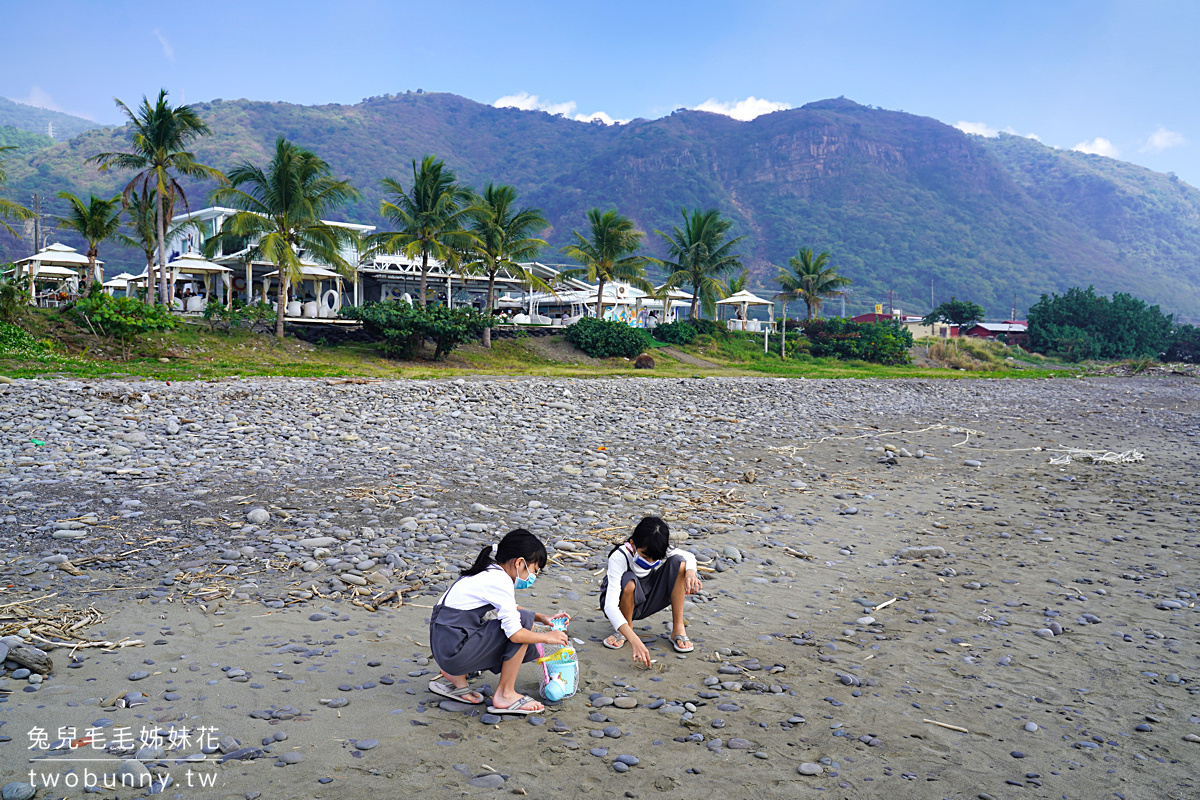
point(1185, 345)
point(14, 295)
point(878, 342)
point(402, 328)
point(708, 327)
point(600, 339)
point(675, 333)
point(122, 318)
point(1080, 325)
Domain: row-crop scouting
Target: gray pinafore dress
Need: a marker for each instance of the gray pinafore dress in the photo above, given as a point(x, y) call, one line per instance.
point(463, 642)
point(651, 593)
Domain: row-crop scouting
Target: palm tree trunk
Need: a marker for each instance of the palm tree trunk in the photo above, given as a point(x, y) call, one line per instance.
point(162, 248)
point(487, 309)
point(424, 273)
point(281, 304)
point(695, 300)
point(600, 301)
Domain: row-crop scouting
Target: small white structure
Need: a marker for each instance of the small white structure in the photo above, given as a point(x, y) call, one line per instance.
point(743, 300)
point(325, 305)
point(191, 266)
point(58, 263)
point(118, 283)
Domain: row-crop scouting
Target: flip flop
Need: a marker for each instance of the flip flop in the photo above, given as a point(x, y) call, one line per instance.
point(615, 642)
point(517, 707)
point(452, 692)
point(682, 643)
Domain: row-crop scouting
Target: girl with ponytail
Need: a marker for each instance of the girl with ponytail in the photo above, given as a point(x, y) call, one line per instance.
point(463, 642)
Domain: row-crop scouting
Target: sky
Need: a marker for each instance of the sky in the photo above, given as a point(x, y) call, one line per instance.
point(1110, 77)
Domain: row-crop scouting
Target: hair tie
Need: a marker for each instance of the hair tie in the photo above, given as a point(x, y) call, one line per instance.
point(495, 548)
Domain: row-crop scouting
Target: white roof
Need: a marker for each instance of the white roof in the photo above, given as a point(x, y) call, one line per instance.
point(744, 298)
point(195, 264)
point(1004, 327)
point(51, 271)
point(59, 255)
point(308, 270)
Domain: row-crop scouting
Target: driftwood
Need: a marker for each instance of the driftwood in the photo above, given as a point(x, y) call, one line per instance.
point(33, 658)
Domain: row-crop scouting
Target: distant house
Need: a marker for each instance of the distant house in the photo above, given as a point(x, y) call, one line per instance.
point(1012, 332)
point(915, 326)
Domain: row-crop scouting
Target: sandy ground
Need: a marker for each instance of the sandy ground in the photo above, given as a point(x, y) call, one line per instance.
point(1025, 544)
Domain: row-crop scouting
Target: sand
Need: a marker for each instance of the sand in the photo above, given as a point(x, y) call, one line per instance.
point(1026, 544)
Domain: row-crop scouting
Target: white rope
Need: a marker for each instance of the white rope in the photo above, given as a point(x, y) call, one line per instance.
point(1098, 457)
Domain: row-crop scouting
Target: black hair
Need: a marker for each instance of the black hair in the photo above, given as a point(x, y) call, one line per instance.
point(518, 543)
point(650, 535)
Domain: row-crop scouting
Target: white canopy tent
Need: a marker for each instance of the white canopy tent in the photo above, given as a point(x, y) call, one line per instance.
point(743, 300)
point(120, 282)
point(327, 304)
point(194, 265)
point(55, 262)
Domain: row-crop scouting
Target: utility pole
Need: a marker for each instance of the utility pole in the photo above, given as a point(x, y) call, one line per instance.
point(843, 305)
point(891, 301)
point(37, 224)
point(1014, 313)
point(932, 306)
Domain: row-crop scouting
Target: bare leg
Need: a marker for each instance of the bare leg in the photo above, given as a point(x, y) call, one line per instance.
point(506, 688)
point(677, 598)
point(625, 604)
point(459, 681)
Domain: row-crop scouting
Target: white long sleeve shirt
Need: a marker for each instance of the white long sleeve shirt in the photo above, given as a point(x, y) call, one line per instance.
point(492, 587)
point(623, 560)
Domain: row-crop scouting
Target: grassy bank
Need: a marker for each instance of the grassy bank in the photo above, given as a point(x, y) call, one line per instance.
point(49, 344)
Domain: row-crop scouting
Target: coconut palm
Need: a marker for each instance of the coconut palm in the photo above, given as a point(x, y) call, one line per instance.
point(811, 280)
point(98, 221)
point(160, 138)
point(429, 216)
point(279, 212)
point(609, 254)
point(700, 252)
point(504, 238)
point(141, 211)
point(8, 208)
point(734, 285)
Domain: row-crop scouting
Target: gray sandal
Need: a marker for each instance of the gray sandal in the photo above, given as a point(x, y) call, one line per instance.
point(452, 692)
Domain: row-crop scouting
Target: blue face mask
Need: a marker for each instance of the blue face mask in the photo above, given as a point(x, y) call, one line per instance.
point(525, 583)
point(644, 564)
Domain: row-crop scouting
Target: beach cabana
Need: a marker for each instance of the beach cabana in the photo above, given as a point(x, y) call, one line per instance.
point(323, 305)
point(742, 301)
point(55, 262)
point(118, 283)
point(195, 265)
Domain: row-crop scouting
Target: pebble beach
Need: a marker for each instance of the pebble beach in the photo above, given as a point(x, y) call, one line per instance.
point(917, 588)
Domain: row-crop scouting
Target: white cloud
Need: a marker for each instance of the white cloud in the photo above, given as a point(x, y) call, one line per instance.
point(744, 110)
point(1098, 147)
point(39, 99)
point(983, 129)
point(1163, 139)
point(602, 116)
point(531, 102)
point(978, 128)
point(168, 51)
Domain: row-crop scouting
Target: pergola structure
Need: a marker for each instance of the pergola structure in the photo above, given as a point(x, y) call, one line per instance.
point(195, 266)
point(325, 306)
point(54, 262)
point(743, 300)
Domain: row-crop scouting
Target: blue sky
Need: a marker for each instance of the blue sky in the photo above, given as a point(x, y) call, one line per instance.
point(1117, 78)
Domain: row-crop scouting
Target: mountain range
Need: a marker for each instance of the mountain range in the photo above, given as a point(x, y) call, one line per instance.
point(907, 206)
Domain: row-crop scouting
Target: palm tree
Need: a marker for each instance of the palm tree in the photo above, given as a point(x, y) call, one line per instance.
point(160, 137)
point(734, 285)
point(429, 216)
point(700, 253)
point(811, 279)
point(609, 254)
point(8, 208)
point(505, 237)
point(141, 208)
point(279, 212)
point(98, 221)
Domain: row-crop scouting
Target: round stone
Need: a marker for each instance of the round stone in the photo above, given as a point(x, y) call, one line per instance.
point(809, 768)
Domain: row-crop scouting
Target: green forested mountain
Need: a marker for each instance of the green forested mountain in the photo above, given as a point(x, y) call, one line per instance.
point(899, 200)
point(37, 120)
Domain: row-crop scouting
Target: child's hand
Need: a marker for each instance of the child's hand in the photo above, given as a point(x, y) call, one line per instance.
point(691, 582)
point(556, 637)
point(641, 654)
